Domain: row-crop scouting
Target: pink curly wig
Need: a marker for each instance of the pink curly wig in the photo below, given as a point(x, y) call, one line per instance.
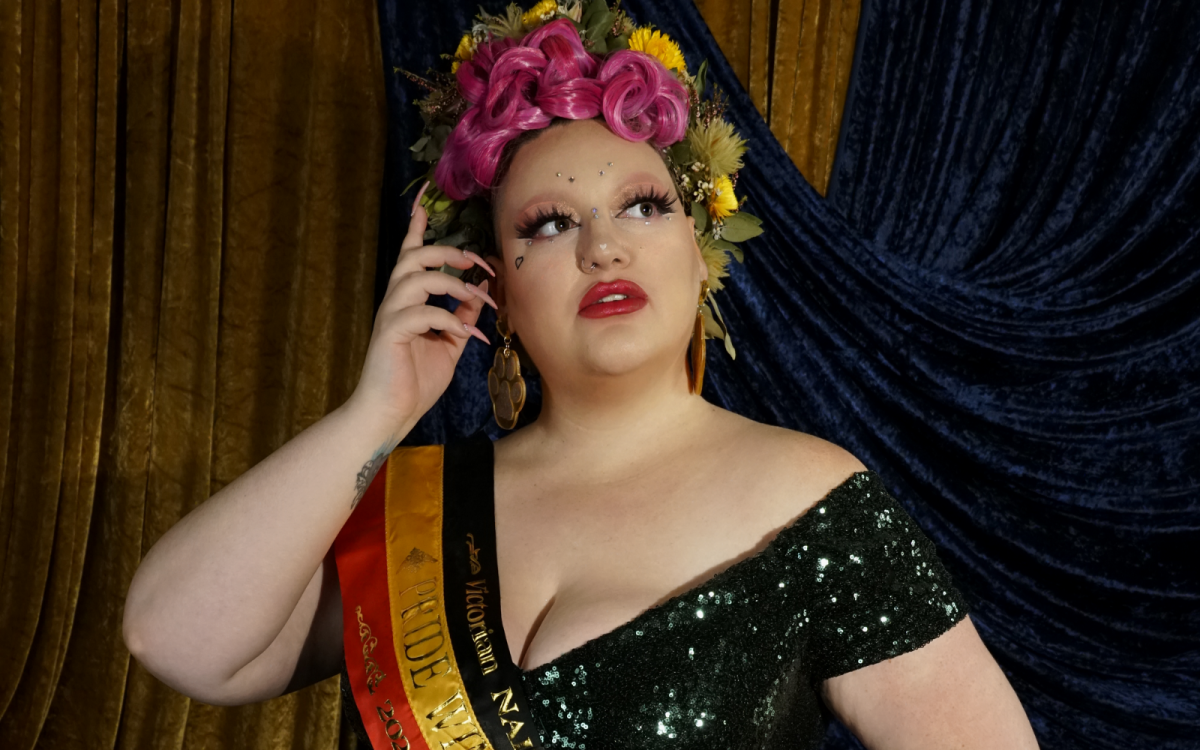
point(512, 87)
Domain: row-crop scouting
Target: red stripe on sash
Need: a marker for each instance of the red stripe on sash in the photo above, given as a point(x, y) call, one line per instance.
point(361, 553)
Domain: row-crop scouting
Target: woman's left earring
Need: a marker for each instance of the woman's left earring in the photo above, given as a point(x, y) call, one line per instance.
point(506, 387)
point(696, 372)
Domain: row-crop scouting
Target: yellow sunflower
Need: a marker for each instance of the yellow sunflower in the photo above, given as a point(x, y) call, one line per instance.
point(658, 44)
point(722, 202)
point(465, 51)
point(539, 13)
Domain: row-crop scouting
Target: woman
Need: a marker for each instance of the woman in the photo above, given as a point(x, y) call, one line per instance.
point(673, 573)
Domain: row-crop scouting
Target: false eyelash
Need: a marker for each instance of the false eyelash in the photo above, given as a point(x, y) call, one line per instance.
point(528, 229)
point(655, 196)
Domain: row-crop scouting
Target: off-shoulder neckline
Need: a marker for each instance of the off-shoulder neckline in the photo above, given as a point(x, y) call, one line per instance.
point(813, 512)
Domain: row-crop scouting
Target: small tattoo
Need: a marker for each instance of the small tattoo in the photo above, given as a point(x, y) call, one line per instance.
point(520, 260)
point(368, 471)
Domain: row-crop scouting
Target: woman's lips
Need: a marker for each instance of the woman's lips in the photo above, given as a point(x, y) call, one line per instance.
point(617, 307)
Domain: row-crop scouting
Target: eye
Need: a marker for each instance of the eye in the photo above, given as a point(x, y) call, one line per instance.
point(554, 227)
point(648, 204)
point(643, 210)
point(546, 224)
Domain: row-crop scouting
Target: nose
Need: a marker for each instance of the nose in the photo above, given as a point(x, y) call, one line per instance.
point(601, 247)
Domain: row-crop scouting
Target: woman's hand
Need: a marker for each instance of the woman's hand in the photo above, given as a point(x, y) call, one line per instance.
point(409, 363)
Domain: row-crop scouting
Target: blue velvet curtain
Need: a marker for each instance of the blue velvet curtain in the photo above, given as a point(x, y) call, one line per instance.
point(997, 308)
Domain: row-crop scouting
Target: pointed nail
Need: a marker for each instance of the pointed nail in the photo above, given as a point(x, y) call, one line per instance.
point(417, 200)
point(477, 333)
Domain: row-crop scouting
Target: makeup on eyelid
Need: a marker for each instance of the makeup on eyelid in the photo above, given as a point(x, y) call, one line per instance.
point(533, 220)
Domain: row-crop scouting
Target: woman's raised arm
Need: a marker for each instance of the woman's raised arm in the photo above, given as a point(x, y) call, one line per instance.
point(238, 602)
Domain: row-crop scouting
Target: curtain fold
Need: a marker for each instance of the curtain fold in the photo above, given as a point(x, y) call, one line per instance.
point(189, 200)
point(794, 58)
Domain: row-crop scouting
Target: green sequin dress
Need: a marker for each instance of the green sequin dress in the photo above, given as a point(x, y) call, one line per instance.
point(737, 662)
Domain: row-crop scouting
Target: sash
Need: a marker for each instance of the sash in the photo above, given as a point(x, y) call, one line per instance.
point(428, 662)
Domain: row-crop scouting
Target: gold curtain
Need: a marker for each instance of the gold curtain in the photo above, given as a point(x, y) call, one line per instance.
point(794, 57)
point(189, 198)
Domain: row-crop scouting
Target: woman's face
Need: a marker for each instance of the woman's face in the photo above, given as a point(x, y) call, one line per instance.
point(577, 195)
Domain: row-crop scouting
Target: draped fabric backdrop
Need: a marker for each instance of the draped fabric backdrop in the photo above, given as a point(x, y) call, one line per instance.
point(997, 308)
point(189, 197)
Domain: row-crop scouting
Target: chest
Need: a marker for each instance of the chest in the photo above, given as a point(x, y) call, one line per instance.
point(579, 559)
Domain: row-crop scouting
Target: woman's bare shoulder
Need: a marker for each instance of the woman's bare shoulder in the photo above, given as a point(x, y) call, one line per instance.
point(803, 467)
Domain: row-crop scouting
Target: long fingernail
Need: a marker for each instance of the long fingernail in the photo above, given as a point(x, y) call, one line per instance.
point(479, 261)
point(477, 333)
point(481, 294)
point(417, 200)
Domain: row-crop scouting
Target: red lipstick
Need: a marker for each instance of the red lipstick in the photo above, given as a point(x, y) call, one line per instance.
point(591, 306)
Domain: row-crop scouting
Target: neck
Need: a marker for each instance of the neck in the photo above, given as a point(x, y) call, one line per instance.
point(610, 421)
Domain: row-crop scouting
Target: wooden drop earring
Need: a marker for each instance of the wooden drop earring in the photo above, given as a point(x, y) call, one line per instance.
point(696, 371)
point(506, 387)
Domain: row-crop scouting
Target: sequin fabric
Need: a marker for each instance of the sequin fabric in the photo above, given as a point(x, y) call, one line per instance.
point(737, 661)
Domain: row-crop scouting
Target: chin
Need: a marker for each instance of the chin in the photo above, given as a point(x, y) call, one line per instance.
point(618, 353)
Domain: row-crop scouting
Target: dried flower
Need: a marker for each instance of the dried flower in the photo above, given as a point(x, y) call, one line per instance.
point(718, 146)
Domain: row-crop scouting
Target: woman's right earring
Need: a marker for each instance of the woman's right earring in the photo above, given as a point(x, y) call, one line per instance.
point(506, 387)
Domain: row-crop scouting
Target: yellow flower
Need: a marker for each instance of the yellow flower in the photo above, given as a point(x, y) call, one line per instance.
point(659, 45)
point(721, 201)
point(539, 13)
point(466, 48)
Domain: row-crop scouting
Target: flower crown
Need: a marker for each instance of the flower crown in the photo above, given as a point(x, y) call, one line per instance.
point(704, 164)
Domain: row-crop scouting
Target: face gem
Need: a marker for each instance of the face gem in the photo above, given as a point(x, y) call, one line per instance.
point(603, 245)
point(520, 260)
point(559, 174)
point(571, 179)
point(601, 171)
point(609, 164)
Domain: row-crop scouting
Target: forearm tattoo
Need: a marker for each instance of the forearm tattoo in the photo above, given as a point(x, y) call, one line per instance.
point(369, 470)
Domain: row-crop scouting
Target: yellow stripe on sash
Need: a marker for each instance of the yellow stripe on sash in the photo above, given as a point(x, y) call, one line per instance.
point(414, 558)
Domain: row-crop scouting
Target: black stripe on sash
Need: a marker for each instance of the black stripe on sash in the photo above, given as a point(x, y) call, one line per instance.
point(472, 595)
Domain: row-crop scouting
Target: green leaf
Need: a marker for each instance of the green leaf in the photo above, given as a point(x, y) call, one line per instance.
point(700, 214)
point(618, 42)
point(593, 10)
point(721, 318)
point(419, 145)
point(701, 76)
point(741, 227)
point(681, 153)
point(414, 183)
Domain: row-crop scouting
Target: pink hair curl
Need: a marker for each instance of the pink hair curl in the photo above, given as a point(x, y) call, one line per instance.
point(512, 87)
